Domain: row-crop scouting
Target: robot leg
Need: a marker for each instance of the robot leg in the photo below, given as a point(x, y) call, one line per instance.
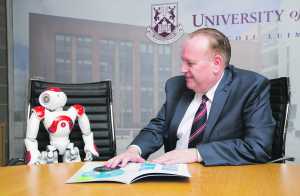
point(50, 155)
point(71, 154)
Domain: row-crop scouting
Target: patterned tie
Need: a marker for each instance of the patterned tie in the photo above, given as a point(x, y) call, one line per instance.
point(199, 124)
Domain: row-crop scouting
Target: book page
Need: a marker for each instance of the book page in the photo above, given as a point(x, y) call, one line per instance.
point(87, 174)
point(152, 169)
point(127, 174)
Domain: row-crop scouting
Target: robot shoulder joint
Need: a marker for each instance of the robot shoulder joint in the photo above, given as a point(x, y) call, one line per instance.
point(79, 108)
point(40, 111)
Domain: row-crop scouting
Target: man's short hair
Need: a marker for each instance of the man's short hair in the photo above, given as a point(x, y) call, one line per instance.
point(218, 42)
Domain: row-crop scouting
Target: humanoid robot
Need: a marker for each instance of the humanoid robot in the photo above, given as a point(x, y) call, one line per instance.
point(58, 123)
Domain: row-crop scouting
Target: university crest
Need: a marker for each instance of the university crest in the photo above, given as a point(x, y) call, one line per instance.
point(164, 27)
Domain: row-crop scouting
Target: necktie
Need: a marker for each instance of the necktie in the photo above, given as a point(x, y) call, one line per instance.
point(199, 124)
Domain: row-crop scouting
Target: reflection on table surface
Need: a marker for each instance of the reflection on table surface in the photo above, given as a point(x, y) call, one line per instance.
point(264, 180)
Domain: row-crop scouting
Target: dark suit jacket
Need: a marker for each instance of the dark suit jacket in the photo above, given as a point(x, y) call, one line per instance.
point(240, 124)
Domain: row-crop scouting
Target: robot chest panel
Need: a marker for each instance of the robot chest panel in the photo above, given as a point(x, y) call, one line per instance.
point(59, 123)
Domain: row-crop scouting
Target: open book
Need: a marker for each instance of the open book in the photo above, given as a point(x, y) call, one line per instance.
point(128, 174)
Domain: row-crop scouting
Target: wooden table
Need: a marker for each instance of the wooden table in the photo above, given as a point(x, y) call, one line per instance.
point(262, 180)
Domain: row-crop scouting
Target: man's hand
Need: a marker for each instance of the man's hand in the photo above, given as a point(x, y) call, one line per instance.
point(178, 156)
point(131, 155)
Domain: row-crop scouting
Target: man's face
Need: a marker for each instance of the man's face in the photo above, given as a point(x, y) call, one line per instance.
point(197, 64)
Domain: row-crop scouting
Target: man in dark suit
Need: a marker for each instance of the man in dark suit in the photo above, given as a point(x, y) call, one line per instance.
point(216, 113)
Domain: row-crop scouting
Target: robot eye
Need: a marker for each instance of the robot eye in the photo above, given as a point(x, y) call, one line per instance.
point(46, 98)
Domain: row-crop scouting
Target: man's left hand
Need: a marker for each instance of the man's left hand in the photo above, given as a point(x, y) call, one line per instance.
point(178, 156)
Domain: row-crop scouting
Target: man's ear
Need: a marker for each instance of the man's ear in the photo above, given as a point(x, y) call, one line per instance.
point(218, 62)
point(218, 59)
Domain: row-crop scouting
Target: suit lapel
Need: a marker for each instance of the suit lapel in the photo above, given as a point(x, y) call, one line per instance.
point(181, 108)
point(220, 99)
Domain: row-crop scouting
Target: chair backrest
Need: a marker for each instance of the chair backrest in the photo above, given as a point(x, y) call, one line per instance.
point(96, 97)
point(279, 98)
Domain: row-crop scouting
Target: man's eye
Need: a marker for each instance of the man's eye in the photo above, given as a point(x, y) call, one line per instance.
point(190, 64)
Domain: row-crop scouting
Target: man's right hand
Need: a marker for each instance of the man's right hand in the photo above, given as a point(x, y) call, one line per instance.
point(130, 155)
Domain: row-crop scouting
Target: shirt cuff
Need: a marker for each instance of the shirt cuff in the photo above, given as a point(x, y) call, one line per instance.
point(137, 148)
point(199, 157)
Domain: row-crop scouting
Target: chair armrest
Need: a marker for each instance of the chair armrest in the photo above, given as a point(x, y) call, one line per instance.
point(282, 160)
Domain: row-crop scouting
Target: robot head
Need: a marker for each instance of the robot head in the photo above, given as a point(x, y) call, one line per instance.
point(53, 98)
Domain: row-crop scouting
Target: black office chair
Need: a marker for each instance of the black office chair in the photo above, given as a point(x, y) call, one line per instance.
point(96, 97)
point(279, 99)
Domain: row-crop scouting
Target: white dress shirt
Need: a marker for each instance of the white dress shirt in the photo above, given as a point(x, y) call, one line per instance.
point(184, 128)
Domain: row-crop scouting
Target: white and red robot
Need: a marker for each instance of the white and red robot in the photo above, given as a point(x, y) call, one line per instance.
point(59, 124)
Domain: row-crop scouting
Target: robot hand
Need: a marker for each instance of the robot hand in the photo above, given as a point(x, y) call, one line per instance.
point(33, 157)
point(49, 156)
point(88, 156)
point(71, 154)
point(89, 147)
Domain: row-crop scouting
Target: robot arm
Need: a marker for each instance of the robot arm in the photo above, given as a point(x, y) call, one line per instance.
point(33, 154)
point(87, 135)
